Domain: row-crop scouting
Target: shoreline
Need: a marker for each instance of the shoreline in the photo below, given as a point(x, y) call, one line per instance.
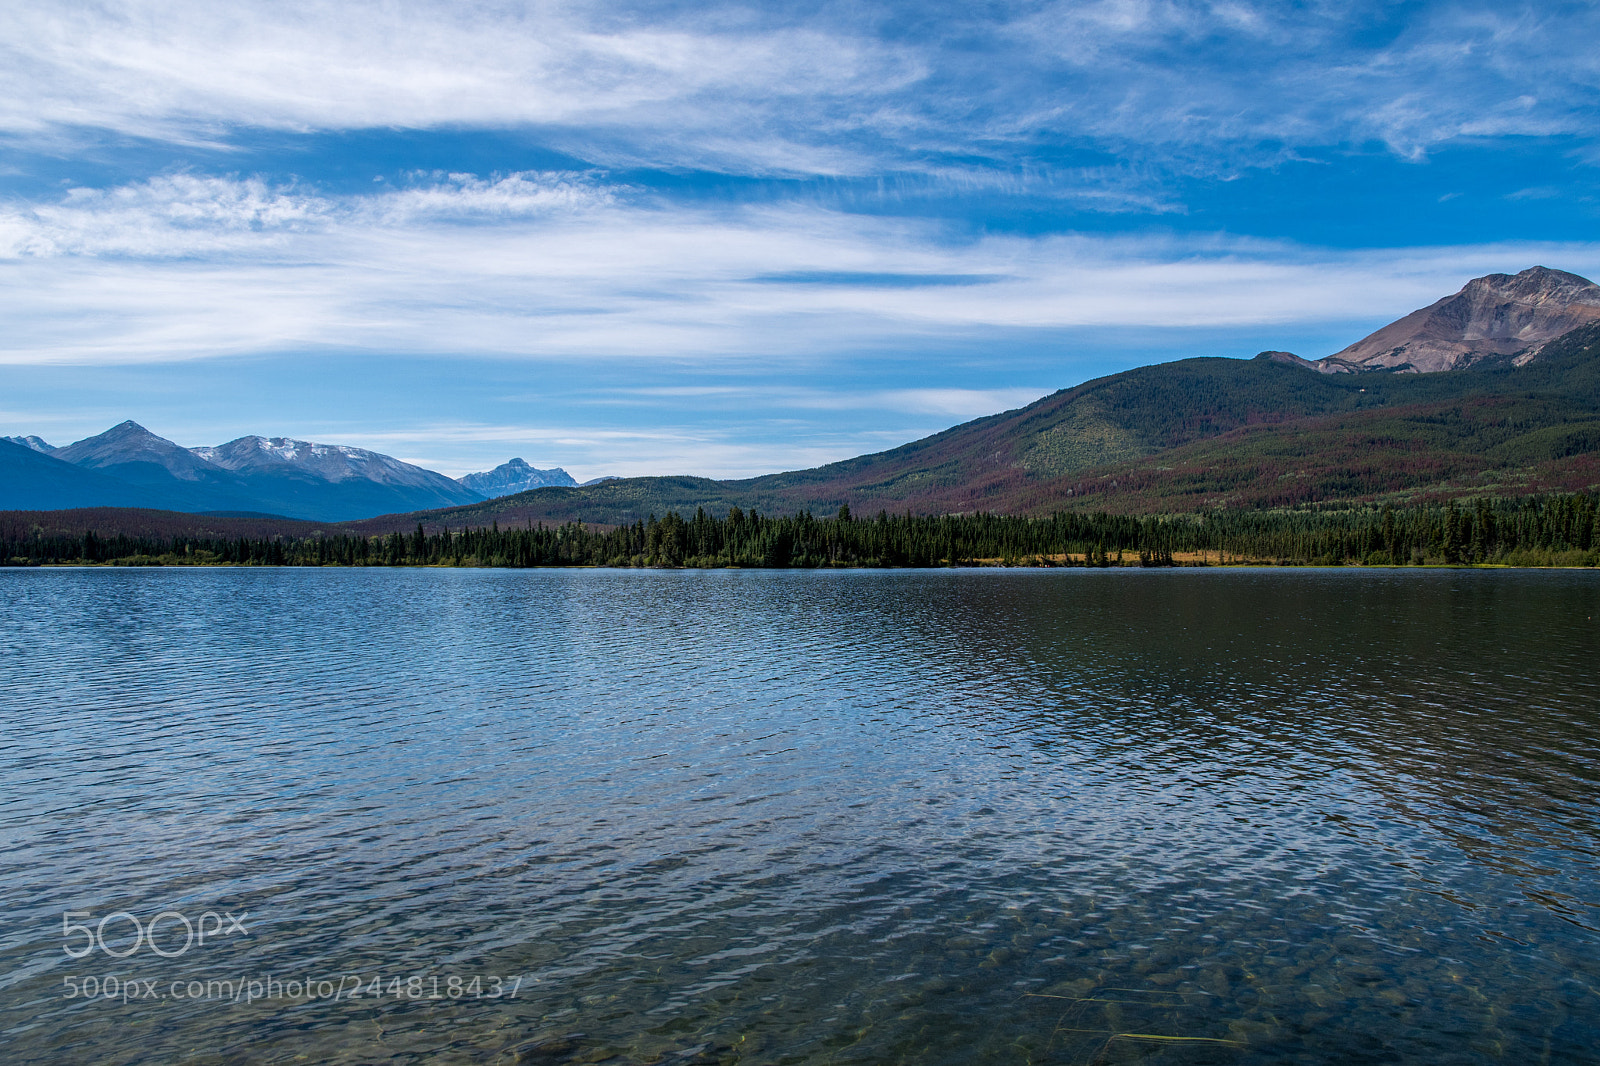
point(1244, 564)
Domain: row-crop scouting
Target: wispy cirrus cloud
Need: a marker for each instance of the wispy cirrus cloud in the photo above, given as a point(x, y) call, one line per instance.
point(178, 215)
point(949, 402)
point(189, 71)
point(1269, 78)
point(864, 90)
point(180, 268)
point(191, 216)
point(593, 451)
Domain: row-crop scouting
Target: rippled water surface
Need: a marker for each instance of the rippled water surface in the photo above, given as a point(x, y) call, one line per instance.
point(853, 817)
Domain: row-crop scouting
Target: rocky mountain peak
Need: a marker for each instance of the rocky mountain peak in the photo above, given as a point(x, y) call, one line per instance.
point(130, 443)
point(127, 429)
point(1496, 315)
point(1535, 285)
point(515, 475)
point(125, 439)
point(1287, 358)
point(332, 463)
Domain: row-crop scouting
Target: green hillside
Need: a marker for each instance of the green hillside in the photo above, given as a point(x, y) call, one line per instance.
point(1197, 433)
point(1496, 430)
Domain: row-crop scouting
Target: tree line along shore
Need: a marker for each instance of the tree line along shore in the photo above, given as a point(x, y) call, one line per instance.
point(1547, 530)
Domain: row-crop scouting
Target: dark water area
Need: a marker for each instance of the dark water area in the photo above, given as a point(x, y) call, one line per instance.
point(458, 816)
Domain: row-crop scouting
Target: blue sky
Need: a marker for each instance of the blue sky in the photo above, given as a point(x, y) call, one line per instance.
point(726, 239)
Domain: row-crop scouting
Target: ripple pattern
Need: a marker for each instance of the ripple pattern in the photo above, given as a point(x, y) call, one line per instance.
point(823, 817)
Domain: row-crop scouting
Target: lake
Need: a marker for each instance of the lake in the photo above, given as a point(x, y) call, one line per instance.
point(952, 816)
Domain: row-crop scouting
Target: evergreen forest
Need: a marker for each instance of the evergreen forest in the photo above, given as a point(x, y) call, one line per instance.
point(1547, 530)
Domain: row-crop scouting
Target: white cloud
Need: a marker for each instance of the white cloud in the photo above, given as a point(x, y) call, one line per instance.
point(960, 403)
point(754, 90)
point(178, 215)
point(187, 216)
point(584, 452)
point(1203, 75)
point(950, 402)
point(466, 196)
point(185, 70)
point(182, 268)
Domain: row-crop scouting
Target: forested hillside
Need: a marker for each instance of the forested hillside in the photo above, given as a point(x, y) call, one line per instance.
point(1492, 429)
point(1199, 433)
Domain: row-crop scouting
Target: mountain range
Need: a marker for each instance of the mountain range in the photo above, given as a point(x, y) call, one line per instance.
point(1509, 401)
point(129, 466)
point(1495, 388)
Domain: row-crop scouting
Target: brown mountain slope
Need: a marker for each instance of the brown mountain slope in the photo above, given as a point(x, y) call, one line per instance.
point(1497, 315)
point(145, 522)
point(1179, 436)
point(1497, 430)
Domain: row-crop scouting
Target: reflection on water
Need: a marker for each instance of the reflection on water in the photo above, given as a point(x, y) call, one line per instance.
point(946, 817)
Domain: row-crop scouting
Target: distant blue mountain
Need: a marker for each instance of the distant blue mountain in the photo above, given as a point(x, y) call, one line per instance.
point(31, 442)
point(512, 477)
point(128, 466)
point(33, 481)
point(181, 480)
point(333, 481)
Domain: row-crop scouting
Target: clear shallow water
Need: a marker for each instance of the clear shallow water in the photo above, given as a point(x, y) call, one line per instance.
point(931, 817)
